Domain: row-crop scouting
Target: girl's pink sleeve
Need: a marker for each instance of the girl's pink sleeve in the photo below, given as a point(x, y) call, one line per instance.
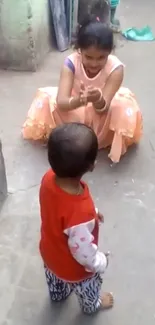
point(70, 62)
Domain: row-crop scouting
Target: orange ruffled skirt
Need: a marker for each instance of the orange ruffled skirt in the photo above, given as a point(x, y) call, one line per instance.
point(118, 128)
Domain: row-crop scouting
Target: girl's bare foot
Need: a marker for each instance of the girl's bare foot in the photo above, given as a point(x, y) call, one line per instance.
point(107, 300)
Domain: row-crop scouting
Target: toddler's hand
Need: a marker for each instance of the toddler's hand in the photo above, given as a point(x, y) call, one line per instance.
point(107, 257)
point(101, 217)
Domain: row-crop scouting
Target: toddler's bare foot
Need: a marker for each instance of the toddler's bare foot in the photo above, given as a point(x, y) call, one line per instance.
point(107, 300)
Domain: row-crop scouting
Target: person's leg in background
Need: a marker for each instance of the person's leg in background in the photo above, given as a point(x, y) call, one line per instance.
point(115, 23)
point(58, 289)
point(89, 295)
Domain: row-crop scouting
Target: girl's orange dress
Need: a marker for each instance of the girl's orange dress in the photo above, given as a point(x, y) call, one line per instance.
point(118, 128)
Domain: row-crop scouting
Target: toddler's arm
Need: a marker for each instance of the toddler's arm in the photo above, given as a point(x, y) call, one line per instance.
point(82, 248)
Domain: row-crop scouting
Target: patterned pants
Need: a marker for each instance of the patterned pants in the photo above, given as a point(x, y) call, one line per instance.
point(87, 291)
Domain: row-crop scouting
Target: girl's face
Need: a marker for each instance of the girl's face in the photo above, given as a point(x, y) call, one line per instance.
point(94, 59)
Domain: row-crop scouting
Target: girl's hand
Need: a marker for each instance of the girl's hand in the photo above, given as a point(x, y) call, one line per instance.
point(93, 94)
point(83, 94)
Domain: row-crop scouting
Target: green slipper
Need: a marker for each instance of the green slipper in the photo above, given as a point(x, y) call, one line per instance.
point(135, 34)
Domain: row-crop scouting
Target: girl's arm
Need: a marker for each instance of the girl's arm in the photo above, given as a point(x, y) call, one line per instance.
point(64, 100)
point(112, 85)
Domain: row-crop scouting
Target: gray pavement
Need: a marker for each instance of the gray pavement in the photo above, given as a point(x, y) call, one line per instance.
point(125, 194)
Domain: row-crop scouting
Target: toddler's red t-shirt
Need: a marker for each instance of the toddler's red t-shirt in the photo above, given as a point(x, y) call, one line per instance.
point(69, 231)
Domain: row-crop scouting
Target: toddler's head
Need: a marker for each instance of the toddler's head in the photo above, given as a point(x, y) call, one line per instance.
point(72, 150)
point(95, 42)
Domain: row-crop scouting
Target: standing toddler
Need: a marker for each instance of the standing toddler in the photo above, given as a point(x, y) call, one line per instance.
point(70, 222)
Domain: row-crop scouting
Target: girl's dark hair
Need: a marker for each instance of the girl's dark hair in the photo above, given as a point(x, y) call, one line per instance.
point(92, 32)
point(72, 149)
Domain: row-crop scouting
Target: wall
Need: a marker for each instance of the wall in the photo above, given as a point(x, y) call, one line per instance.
point(24, 33)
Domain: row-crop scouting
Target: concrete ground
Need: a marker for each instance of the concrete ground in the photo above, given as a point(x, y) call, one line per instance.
point(125, 194)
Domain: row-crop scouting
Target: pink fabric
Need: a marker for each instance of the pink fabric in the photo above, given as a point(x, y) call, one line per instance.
point(99, 80)
point(119, 128)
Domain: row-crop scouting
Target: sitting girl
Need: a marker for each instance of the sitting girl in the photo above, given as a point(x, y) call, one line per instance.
point(89, 92)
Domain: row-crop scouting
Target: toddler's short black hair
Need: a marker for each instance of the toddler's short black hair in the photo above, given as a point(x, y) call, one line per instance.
point(72, 149)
